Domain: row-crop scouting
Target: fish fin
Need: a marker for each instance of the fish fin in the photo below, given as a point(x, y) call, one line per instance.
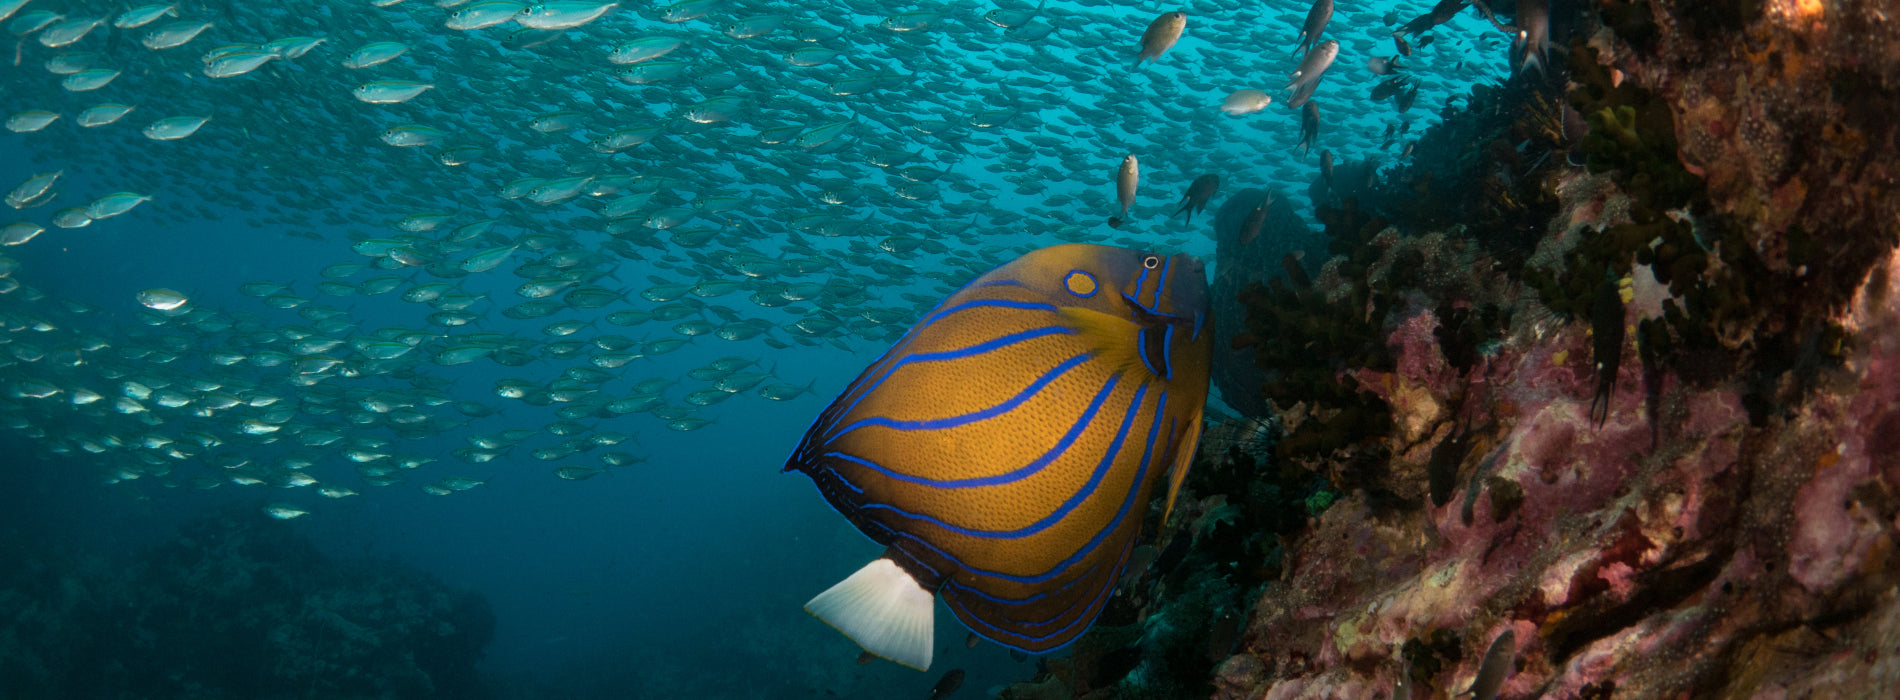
point(1111, 337)
point(1183, 458)
point(884, 610)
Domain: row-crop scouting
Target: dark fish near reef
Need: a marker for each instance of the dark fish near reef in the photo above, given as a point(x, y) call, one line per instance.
point(1127, 176)
point(1389, 87)
point(1326, 167)
point(1309, 127)
point(1439, 14)
point(1498, 661)
point(1316, 20)
point(1575, 128)
point(1198, 192)
point(1606, 348)
point(1006, 448)
point(1407, 99)
point(1531, 45)
point(1161, 36)
point(1257, 218)
point(949, 683)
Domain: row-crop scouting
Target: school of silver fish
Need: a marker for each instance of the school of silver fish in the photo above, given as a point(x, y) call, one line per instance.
point(568, 189)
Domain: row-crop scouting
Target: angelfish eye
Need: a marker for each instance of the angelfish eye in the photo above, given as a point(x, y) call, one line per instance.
point(1151, 262)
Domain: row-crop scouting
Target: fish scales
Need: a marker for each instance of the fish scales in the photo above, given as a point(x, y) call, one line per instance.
point(1006, 448)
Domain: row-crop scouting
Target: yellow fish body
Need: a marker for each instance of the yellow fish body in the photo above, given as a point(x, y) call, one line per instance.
point(1006, 449)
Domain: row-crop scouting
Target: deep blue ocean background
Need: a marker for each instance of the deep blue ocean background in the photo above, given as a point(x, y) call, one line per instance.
point(682, 576)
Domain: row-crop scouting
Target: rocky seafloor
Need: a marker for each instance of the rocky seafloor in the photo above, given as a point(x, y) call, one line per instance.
point(1618, 373)
point(234, 606)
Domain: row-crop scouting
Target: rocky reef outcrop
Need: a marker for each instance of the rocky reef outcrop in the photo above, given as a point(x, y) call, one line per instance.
point(235, 606)
point(1622, 381)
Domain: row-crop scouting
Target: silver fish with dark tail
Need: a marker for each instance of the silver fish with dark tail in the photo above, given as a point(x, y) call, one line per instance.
point(1305, 80)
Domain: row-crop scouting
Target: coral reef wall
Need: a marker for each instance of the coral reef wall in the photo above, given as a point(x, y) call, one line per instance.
point(1610, 402)
point(1252, 262)
point(1677, 470)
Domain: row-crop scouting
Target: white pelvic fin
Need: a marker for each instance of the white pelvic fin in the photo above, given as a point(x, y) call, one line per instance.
point(882, 609)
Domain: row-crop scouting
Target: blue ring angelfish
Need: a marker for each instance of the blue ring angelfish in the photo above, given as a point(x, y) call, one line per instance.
point(1006, 449)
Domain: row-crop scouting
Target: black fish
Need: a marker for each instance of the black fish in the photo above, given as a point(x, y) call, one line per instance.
point(1606, 351)
point(1309, 127)
point(949, 683)
point(1250, 229)
point(1316, 20)
point(1530, 47)
point(1440, 14)
point(1389, 87)
point(1198, 192)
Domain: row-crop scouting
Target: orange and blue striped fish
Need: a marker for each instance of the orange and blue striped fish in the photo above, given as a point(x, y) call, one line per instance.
point(1006, 449)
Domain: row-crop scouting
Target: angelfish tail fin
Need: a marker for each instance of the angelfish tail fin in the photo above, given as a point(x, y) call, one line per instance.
point(884, 610)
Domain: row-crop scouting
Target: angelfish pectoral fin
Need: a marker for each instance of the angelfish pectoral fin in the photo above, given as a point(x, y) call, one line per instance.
point(1183, 458)
point(884, 610)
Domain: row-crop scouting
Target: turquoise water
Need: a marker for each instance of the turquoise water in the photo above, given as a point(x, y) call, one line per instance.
point(860, 192)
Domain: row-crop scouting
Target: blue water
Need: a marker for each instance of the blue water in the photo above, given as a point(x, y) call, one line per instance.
point(682, 576)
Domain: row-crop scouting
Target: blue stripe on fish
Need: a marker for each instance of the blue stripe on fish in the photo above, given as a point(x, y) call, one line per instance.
point(1134, 490)
point(1163, 284)
point(1018, 474)
point(1085, 577)
point(1141, 351)
point(965, 419)
point(1062, 511)
point(985, 346)
point(1087, 621)
point(896, 357)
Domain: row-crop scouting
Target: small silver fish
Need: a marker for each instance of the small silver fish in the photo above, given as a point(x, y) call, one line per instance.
point(1126, 177)
point(1305, 80)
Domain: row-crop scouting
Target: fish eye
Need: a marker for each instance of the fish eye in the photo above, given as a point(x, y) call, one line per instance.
point(1151, 261)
